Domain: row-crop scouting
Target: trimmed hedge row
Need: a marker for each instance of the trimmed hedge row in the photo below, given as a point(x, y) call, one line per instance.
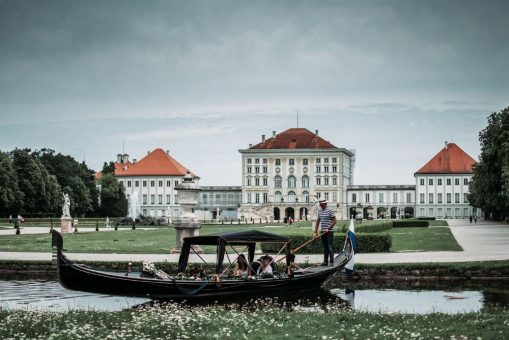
point(410, 224)
point(368, 227)
point(366, 243)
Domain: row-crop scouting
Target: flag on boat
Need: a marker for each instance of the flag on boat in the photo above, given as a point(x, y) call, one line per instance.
point(350, 243)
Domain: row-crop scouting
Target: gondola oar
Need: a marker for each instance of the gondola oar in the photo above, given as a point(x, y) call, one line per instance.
point(296, 250)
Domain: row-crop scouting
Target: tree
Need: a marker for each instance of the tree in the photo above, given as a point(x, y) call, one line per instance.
point(108, 168)
point(489, 189)
point(11, 198)
point(113, 200)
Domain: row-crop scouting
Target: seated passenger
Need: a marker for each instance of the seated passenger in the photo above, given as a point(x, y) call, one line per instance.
point(293, 266)
point(241, 267)
point(266, 267)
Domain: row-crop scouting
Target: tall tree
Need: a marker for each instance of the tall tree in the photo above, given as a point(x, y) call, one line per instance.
point(11, 198)
point(113, 200)
point(489, 189)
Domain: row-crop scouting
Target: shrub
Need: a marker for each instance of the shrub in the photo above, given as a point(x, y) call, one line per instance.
point(410, 224)
point(427, 218)
point(366, 243)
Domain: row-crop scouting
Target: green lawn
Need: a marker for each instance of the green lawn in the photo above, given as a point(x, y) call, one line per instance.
point(422, 239)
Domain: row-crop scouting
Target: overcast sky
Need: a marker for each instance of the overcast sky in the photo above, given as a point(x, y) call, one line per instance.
point(391, 79)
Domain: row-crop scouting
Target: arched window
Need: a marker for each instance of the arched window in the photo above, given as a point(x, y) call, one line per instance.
point(291, 182)
point(305, 196)
point(291, 197)
point(305, 181)
point(278, 182)
point(277, 196)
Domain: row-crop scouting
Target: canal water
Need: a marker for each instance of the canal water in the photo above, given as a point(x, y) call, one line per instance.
point(48, 295)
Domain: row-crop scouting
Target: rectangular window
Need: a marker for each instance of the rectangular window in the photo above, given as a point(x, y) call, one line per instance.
point(354, 198)
point(448, 181)
point(265, 169)
point(144, 184)
point(278, 161)
point(318, 161)
point(334, 197)
point(160, 183)
point(257, 169)
point(326, 195)
point(380, 197)
point(430, 181)
point(439, 181)
point(439, 199)
point(152, 183)
point(334, 168)
point(175, 199)
point(249, 198)
point(144, 199)
point(334, 181)
point(249, 161)
point(265, 197)
point(257, 198)
point(421, 198)
point(326, 168)
point(326, 160)
point(449, 198)
point(456, 181)
point(430, 198)
point(265, 181)
point(431, 212)
point(465, 181)
point(409, 197)
point(291, 161)
point(304, 161)
point(326, 181)
point(456, 198)
point(257, 182)
point(136, 184)
point(160, 199)
point(168, 183)
point(257, 160)
point(465, 198)
point(152, 199)
point(265, 161)
point(128, 184)
point(366, 196)
point(421, 182)
point(394, 197)
point(318, 169)
point(168, 199)
point(176, 182)
point(334, 160)
point(318, 181)
point(121, 182)
point(422, 212)
point(249, 182)
point(248, 169)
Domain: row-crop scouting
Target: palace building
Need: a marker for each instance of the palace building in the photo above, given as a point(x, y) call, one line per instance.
point(150, 183)
point(284, 175)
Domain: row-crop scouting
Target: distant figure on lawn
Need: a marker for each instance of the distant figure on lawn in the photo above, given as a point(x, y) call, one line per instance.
point(471, 218)
point(475, 219)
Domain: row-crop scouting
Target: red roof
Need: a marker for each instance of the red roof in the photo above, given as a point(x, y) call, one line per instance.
point(295, 138)
point(118, 168)
point(450, 160)
point(156, 163)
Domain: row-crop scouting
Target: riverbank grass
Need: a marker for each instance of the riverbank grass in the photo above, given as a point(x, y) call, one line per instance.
point(262, 320)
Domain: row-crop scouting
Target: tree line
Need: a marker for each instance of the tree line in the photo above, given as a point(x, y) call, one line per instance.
point(32, 183)
point(489, 189)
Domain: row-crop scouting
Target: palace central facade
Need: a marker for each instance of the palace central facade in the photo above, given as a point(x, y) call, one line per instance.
point(283, 176)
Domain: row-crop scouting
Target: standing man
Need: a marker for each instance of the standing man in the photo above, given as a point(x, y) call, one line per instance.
point(326, 220)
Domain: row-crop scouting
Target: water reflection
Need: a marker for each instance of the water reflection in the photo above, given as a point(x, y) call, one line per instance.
point(51, 296)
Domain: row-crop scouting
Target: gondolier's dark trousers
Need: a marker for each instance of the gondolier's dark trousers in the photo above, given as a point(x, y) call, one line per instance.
point(328, 249)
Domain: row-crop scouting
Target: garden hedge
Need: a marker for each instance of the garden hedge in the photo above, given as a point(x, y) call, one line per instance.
point(366, 243)
point(410, 224)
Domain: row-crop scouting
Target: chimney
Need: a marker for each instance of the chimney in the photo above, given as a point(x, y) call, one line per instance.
point(134, 160)
point(148, 151)
point(250, 145)
point(263, 138)
point(316, 133)
point(167, 152)
point(119, 158)
point(125, 158)
point(273, 133)
point(446, 144)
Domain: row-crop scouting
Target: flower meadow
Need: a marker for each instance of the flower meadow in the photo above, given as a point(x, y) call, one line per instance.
point(265, 319)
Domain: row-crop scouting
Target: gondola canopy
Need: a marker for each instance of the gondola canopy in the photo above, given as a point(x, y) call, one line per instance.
point(248, 238)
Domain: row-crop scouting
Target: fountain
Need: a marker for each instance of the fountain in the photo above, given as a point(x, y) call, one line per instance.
point(186, 225)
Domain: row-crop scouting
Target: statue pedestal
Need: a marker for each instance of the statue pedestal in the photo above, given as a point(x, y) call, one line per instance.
point(65, 224)
point(186, 226)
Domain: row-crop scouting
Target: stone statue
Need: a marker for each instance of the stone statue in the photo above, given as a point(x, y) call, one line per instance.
point(66, 206)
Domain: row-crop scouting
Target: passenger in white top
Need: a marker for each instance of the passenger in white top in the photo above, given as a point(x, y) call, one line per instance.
point(265, 267)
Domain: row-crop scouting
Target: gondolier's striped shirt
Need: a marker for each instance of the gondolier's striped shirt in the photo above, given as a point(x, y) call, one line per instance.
point(325, 216)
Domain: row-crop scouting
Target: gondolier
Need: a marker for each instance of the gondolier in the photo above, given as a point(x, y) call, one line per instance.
point(326, 221)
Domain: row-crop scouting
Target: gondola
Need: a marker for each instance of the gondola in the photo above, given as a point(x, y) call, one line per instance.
point(80, 277)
